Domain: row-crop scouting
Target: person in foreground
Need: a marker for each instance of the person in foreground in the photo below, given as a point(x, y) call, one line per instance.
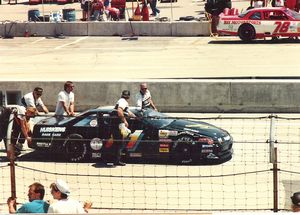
point(60, 191)
point(296, 202)
point(36, 203)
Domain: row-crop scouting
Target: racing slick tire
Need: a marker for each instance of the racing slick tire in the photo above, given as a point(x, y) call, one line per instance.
point(182, 150)
point(246, 32)
point(75, 148)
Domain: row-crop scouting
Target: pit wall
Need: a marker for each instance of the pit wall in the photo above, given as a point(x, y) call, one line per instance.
point(120, 28)
point(172, 96)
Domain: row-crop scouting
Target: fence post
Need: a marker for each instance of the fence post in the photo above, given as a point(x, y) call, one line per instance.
point(272, 137)
point(275, 182)
point(11, 156)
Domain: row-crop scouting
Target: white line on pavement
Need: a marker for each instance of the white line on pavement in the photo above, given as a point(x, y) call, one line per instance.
point(67, 44)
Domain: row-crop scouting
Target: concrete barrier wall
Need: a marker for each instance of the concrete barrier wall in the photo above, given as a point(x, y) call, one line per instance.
point(120, 28)
point(183, 96)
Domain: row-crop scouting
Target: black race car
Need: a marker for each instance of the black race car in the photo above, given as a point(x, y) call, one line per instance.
point(154, 136)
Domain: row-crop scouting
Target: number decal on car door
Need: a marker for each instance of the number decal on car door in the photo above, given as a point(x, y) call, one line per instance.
point(282, 27)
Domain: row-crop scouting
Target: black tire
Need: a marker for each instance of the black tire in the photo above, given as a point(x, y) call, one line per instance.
point(182, 150)
point(247, 32)
point(75, 148)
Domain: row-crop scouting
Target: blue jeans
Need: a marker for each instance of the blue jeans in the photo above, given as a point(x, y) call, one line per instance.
point(153, 7)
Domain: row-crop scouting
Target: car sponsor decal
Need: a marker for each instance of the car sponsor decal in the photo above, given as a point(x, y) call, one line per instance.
point(96, 155)
point(52, 129)
point(206, 150)
point(93, 123)
point(202, 126)
point(135, 155)
point(206, 140)
point(164, 145)
point(43, 144)
point(239, 22)
point(212, 156)
point(192, 130)
point(51, 134)
point(135, 139)
point(96, 144)
point(164, 150)
point(207, 146)
point(167, 133)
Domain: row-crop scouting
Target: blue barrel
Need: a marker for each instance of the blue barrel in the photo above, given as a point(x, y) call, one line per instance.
point(33, 15)
point(69, 14)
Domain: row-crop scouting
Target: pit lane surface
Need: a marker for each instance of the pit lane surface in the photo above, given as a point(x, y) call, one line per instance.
point(117, 58)
point(251, 154)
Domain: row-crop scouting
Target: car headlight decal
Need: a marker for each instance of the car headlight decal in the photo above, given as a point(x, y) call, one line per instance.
point(207, 140)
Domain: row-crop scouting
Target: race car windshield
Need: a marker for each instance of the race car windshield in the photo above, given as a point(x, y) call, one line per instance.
point(292, 13)
point(66, 119)
point(157, 119)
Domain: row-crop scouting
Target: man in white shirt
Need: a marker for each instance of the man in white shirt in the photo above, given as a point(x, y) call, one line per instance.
point(33, 99)
point(60, 191)
point(143, 98)
point(65, 101)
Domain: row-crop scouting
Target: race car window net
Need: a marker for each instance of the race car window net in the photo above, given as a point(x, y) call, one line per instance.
point(241, 15)
point(292, 13)
point(256, 16)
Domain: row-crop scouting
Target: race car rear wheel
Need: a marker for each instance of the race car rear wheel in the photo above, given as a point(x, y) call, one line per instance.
point(182, 150)
point(75, 148)
point(246, 32)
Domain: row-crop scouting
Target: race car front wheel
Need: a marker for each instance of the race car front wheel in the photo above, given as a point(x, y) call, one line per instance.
point(246, 32)
point(75, 148)
point(182, 150)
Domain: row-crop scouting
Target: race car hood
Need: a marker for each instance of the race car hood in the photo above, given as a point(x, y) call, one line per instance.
point(55, 121)
point(197, 127)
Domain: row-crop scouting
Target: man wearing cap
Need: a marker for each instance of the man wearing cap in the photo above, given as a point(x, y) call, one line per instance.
point(33, 99)
point(120, 123)
point(296, 202)
point(143, 98)
point(36, 203)
point(60, 191)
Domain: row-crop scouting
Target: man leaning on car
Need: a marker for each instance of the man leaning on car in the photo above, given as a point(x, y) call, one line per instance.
point(120, 127)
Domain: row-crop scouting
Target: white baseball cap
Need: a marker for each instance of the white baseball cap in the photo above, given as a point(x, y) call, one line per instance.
point(62, 186)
